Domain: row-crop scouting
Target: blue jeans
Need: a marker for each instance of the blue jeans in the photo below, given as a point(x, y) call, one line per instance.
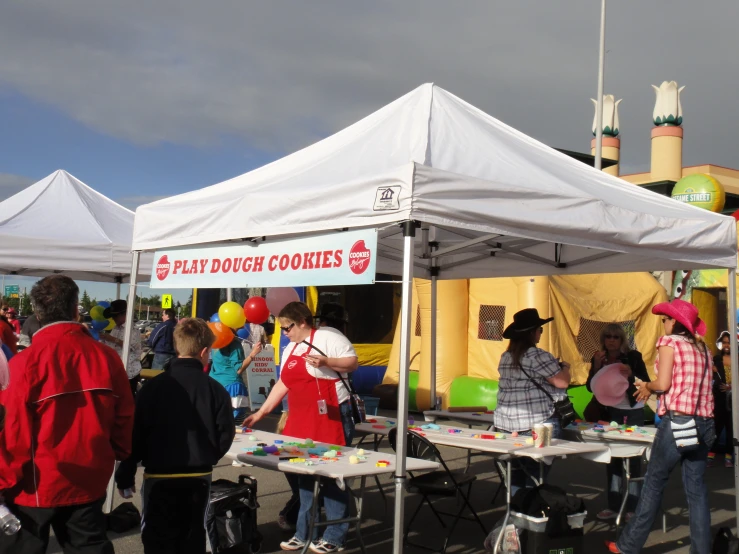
point(335, 500)
point(665, 456)
point(160, 359)
point(615, 469)
point(522, 468)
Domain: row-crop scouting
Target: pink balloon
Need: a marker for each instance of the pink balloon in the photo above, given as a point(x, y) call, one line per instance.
point(609, 385)
point(279, 297)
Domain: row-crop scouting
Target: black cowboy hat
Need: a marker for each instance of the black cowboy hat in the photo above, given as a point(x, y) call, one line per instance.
point(523, 321)
point(116, 307)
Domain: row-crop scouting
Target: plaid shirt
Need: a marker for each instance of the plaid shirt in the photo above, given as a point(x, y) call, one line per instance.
point(521, 404)
point(689, 366)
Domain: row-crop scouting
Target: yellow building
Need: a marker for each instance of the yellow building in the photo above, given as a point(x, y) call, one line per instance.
point(709, 186)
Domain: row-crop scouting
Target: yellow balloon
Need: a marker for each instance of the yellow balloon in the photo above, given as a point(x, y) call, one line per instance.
point(111, 325)
point(232, 315)
point(96, 313)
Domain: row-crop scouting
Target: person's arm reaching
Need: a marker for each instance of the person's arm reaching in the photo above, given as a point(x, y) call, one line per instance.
point(273, 400)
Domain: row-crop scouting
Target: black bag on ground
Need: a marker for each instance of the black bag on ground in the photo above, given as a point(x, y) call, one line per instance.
point(232, 516)
point(725, 542)
point(551, 502)
point(123, 518)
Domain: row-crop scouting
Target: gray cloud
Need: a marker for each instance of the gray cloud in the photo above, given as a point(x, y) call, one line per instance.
point(280, 75)
point(11, 184)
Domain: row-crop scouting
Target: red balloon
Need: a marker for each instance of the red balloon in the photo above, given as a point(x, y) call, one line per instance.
point(223, 334)
point(256, 310)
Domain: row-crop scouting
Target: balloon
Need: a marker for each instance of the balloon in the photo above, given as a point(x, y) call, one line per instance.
point(95, 334)
point(223, 334)
point(104, 304)
point(99, 325)
point(256, 310)
point(96, 313)
point(214, 318)
point(232, 315)
point(111, 325)
point(243, 333)
point(279, 297)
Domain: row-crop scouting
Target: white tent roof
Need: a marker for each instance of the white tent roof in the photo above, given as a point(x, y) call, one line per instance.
point(60, 225)
point(495, 198)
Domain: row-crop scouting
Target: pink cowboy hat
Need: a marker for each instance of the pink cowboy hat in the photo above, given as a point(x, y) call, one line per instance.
point(609, 385)
point(685, 313)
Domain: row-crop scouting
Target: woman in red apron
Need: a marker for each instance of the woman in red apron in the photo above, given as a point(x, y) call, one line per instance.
point(318, 409)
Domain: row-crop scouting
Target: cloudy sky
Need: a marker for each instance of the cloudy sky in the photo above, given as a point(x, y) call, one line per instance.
point(143, 99)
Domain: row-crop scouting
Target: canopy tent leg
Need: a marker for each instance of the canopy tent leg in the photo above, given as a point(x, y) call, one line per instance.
point(409, 232)
point(126, 346)
point(734, 379)
point(229, 295)
point(434, 288)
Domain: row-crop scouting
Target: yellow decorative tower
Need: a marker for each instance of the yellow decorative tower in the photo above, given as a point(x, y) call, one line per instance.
point(667, 136)
point(611, 144)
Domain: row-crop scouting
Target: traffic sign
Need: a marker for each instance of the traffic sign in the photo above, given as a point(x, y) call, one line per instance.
point(12, 291)
point(166, 301)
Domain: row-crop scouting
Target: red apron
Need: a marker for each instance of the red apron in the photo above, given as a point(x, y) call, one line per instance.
point(304, 392)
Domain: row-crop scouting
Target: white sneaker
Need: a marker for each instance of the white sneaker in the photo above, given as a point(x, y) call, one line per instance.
point(293, 544)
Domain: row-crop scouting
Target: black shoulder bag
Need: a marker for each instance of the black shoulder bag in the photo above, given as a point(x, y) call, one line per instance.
point(563, 408)
point(359, 414)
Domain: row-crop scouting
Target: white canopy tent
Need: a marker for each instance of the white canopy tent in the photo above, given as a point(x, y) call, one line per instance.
point(490, 202)
point(60, 225)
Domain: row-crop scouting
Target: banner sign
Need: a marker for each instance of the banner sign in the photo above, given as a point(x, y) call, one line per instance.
point(261, 375)
point(347, 258)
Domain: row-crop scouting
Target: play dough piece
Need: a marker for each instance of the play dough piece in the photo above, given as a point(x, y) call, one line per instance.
point(360, 452)
point(353, 460)
point(529, 441)
point(514, 434)
point(253, 438)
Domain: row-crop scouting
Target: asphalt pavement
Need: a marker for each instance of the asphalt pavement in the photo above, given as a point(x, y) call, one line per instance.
point(584, 478)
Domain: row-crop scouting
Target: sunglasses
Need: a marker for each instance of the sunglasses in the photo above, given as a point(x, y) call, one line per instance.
point(287, 329)
point(611, 337)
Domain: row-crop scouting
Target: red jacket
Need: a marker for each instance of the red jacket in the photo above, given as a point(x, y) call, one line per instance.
point(69, 416)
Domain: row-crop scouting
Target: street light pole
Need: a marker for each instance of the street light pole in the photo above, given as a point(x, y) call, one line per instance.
point(599, 104)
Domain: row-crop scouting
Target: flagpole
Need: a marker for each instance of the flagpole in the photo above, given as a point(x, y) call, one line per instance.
point(599, 103)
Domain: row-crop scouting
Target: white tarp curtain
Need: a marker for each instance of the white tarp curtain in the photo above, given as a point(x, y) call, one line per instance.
point(60, 225)
point(458, 168)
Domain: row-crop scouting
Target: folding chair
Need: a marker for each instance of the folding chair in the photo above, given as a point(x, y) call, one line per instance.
point(444, 483)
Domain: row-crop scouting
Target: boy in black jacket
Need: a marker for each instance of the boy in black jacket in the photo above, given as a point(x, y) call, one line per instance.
point(182, 427)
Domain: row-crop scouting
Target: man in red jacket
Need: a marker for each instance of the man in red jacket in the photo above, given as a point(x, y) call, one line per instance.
point(69, 416)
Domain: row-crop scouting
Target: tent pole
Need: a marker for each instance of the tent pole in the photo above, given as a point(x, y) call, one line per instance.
point(734, 379)
point(229, 295)
point(126, 346)
point(434, 297)
point(409, 232)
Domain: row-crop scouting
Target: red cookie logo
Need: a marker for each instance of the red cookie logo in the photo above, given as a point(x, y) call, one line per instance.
point(162, 268)
point(359, 258)
point(292, 364)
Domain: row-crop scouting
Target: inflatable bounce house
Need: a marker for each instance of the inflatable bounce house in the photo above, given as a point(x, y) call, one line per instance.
point(472, 314)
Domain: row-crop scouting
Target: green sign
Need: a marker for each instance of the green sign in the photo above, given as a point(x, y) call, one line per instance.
point(12, 291)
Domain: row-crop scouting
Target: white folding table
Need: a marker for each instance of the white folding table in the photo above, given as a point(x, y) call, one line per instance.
point(505, 449)
point(623, 444)
point(340, 470)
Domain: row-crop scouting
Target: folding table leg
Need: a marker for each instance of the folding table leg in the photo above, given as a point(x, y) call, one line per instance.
point(359, 503)
point(625, 494)
point(508, 506)
point(313, 513)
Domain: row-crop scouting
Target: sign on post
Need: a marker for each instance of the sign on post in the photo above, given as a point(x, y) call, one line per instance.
point(261, 375)
point(166, 301)
point(12, 291)
point(346, 258)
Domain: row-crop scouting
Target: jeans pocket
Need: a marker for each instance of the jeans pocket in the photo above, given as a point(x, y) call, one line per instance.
point(709, 435)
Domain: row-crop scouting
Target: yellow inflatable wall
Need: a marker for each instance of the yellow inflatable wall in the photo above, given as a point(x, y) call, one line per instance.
point(472, 315)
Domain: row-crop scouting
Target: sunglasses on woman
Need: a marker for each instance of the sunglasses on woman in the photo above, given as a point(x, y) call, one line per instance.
point(287, 329)
point(611, 337)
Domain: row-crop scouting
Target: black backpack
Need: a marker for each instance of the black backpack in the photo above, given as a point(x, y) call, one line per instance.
point(232, 517)
point(124, 517)
point(725, 542)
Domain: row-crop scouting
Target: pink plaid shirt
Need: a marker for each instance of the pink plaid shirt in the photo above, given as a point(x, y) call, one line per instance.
point(689, 366)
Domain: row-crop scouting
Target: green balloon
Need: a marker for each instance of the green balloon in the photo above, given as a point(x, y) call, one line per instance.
point(96, 313)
